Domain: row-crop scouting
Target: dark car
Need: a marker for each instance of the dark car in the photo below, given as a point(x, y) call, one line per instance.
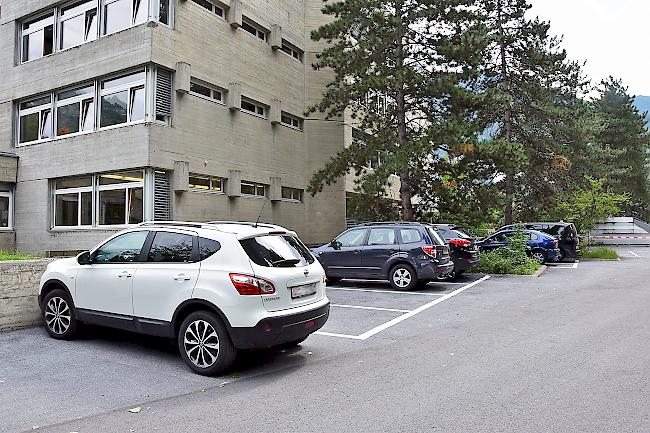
point(406, 254)
point(566, 234)
point(462, 248)
point(541, 246)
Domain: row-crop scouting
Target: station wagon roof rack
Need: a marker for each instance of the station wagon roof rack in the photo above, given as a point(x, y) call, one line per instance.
point(389, 222)
point(243, 223)
point(171, 223)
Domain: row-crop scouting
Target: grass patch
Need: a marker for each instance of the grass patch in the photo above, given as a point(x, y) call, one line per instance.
point(5, 256)
point(502, 261)
point(602, 253)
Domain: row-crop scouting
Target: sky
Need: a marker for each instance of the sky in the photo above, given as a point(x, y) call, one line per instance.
point(611, 35)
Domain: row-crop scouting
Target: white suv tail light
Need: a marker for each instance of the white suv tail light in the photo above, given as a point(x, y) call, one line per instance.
point(247, 285)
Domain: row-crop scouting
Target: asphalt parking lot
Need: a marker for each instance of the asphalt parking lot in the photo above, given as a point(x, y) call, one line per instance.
point(463, 356)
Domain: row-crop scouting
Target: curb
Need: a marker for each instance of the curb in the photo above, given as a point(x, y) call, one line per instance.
point(540, 271)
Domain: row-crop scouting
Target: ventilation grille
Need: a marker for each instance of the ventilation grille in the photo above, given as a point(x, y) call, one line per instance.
point(162, 207)
point(163, 94)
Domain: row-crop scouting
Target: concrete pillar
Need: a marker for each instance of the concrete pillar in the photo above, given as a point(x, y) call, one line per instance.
point(183, 77)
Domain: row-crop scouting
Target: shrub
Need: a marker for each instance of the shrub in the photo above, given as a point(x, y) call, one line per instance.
point(512, 259)
point(5, 256)
point(602, 253)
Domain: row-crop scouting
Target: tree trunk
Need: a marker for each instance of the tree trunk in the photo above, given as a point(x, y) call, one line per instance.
point(405, 190)
point(507, 124)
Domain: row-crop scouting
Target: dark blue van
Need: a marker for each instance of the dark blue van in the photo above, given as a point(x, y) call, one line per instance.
point(406, 254)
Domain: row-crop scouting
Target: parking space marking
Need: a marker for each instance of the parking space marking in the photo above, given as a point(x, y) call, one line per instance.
point(574, 266)
point(634, 254)
point(360, 307)
point(349, 289)
point(376, 330)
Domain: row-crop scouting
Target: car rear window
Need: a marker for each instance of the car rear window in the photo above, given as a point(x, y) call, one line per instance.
point(460, 233)
point(435, 236)
point(276, 251)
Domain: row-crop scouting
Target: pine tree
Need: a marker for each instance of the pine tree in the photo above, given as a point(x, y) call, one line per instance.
point(399, 65)
point(531, 94)
point(627, 142)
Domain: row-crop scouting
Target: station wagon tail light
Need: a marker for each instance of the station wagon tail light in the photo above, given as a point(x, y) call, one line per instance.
point(555, 242)
point(247, 285)
point(460, 242)
point(430, 251)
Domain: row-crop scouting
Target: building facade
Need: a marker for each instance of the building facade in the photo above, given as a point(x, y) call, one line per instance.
point(114, 112)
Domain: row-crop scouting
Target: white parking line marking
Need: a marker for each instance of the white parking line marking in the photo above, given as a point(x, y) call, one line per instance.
point(384, 291)
point(574, 266)
point(370, 308)
point(418, 310)
point(403, 317)
point(634, 254)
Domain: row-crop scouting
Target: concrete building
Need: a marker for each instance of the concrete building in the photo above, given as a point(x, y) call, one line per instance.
point(117, 111)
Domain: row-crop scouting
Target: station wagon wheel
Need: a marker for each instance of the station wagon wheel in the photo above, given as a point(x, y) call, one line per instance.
point(204, 343)
point(59, 315)
point(539, 256)
point(403, 277)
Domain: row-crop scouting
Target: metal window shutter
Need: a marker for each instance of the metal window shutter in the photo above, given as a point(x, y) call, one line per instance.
point(163, 93)
point(162, 206)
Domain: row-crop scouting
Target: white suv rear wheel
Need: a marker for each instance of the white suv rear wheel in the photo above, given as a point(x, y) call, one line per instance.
point(204, 344)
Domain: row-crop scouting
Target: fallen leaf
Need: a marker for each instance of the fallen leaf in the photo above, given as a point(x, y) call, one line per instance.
point(35, 427)
point(310, 353)
point(135, 409)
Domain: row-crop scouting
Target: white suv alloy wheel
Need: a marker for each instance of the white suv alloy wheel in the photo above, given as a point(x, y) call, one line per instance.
point(57, 315)
point(201, 344)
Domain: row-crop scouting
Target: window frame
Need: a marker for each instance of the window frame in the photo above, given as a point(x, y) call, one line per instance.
point(81, 12)
point(213, 91)
point(291, 117)
point(10, 220)
point(261, 33)
point(210, 179)
point(292, 51)
point(79, 99)
point(256, 186)
point(33, 110)
point(257, 105)
point(129, 88)
point(22, 33)
point(95, 189)
point(292, 191)
point(214, 8)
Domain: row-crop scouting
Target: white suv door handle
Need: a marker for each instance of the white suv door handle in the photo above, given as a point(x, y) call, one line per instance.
point(125, 274)
point(182, 277)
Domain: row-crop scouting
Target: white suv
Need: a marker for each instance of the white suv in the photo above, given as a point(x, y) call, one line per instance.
point(215, 287)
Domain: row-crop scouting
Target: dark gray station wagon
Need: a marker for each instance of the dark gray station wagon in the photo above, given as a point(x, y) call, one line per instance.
point(405, 254)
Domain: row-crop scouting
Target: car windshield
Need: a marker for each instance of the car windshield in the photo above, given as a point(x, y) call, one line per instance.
point(277, 251)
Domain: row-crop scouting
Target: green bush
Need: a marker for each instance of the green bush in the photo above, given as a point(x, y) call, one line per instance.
point(602, 253)
point(512, 259)
point(4, 256)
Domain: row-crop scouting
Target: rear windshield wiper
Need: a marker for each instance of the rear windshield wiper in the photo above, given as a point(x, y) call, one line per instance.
point(285, 263)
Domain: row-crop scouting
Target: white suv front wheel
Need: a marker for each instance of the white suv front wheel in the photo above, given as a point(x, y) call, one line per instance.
point(204, 344)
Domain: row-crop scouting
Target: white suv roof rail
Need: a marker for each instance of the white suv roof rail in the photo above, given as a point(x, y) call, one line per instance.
point(172, 223)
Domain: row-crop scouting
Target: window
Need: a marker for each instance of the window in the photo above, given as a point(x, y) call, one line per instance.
point(290, 120)
point(216, 9)
point(292, 50)
point(252, 107)
point(37, 38)
point(120, 198)
point(106, 199)
point(122, 99)
point(122, 14)
point(206, 183)
point(206, 92)
point(171, 247)
point(6, 208)
point(381, 237)
point(253, 29)
point(292, 194)
point(165, 12)
point(78, 24)
point(277, 251)
point(252, 188)
point(410, 236)
point(73, 202)
point(207, 247)
point(125, 248)
point(75, 110)
point(352, 238)
point(35, 119)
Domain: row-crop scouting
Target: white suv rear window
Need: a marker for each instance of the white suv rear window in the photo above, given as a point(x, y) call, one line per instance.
point(277, 251)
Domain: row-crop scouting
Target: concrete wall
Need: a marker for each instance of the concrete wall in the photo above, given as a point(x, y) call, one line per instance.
point(19, 283)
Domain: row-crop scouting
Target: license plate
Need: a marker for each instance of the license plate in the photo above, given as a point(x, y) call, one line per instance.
point(301, 291)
